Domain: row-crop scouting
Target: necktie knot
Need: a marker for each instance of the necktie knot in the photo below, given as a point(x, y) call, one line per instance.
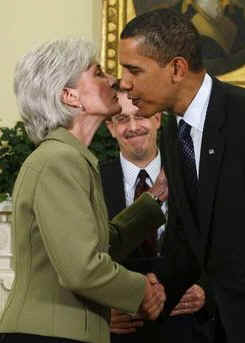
point(184, 129)
point(141, 185)
point(142, 176)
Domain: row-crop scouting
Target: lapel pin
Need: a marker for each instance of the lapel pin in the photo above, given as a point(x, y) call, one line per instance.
point(211, 151)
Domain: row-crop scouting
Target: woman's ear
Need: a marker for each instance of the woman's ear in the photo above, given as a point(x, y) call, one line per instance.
point(70, 97)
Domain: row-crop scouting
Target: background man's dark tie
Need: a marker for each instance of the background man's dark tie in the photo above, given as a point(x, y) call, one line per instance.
point(189, 165)
point(149, 246)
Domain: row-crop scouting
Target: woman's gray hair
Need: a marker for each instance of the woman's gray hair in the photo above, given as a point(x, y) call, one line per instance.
point(40, 77)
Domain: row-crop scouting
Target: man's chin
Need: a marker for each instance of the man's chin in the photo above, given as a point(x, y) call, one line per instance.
point(138, 148)
point(138, 154)
point(147, 110)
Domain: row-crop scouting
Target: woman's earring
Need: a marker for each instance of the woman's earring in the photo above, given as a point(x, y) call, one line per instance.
point(81, 106)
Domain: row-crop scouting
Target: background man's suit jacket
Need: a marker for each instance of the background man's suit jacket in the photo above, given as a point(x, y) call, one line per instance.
point(184, 328)
point(218, 244)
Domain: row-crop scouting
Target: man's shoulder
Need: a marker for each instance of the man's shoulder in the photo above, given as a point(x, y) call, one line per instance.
point(111, 170)
point(109, 164)
point(229, 89)
point(169, 125)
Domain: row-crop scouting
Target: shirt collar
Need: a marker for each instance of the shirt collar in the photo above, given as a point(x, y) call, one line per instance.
point(131, 171)
point(196, 112)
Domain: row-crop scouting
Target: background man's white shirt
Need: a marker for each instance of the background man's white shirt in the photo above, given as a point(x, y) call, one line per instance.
point(130, 173)
point(195, 116)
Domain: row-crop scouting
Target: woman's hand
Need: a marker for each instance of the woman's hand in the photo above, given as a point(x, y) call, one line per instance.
point(124, 323)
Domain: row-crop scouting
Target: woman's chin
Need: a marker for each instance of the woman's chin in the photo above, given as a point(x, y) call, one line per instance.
point(110, 111)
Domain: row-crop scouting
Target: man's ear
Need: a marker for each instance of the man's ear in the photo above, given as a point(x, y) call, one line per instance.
point(158, 117)
point(179, 67)
point(110, 127)
point(70, 97)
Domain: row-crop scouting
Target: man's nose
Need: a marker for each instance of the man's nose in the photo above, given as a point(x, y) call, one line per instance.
point(125, 82)
point(132, 124)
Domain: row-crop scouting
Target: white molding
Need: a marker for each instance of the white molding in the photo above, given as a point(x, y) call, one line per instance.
point(6, 272)
point(6, 281)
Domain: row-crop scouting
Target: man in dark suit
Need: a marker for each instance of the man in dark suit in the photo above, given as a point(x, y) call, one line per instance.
point(160, 53)
point(137, 139)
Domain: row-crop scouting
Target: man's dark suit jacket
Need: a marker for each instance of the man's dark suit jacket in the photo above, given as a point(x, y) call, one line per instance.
point(219, 243)
point(183, 328)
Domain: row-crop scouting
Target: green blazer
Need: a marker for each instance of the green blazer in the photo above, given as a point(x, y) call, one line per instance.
point(65, 279)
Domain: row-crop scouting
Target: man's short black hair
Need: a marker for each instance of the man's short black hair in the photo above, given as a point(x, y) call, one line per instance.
point(165, 34)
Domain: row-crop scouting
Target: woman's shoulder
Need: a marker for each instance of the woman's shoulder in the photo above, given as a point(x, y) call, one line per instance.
point(54, 154)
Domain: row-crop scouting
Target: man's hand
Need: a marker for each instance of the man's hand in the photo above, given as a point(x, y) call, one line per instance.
point(154, 298)
point(192, 301)
point(123, 323)
point(152, 305)
point(160, 187)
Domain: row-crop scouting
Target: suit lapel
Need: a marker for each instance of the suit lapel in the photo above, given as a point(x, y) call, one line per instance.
point(112, 181)
point(211, 155)
point(210, 162)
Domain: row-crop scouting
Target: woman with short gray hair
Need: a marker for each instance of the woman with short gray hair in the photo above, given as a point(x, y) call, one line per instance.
point(66, 281)
point(40, 77)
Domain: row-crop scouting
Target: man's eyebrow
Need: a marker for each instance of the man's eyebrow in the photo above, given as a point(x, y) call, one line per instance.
point(130, 66)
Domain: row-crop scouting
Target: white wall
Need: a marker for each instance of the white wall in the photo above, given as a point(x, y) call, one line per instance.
point(24, 23)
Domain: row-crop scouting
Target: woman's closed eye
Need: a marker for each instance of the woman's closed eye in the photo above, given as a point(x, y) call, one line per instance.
point(99, 72)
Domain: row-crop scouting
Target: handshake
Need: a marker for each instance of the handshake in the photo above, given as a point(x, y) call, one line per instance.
point(150, 308)
point(154, 298)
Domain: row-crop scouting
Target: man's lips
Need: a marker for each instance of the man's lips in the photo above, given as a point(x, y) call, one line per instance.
point(130, 136)
point(115, 98)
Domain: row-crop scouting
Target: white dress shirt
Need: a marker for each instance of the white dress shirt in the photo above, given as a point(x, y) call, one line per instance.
point(130, 173)
point(195, 116)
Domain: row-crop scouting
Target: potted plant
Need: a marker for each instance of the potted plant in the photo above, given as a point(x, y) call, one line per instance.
point(15, 146)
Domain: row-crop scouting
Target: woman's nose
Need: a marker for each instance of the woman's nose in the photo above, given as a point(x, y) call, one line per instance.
point(112, 80)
